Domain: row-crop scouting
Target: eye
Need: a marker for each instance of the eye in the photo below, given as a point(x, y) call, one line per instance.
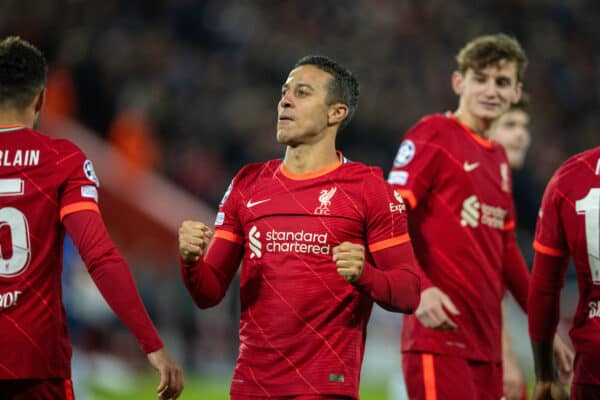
point(503, 82)
point(480, 78)
point(301, 92)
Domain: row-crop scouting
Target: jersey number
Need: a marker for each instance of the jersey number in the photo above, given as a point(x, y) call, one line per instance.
point(15, 251)
point(590, 207)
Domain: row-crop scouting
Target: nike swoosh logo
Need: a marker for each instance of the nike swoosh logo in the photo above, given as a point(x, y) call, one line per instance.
point(470, 166)
point(251, 203)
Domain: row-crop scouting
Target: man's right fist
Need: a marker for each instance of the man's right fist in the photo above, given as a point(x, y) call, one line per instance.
point(194, 238)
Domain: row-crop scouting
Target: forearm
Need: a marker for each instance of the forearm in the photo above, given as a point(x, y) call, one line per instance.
point(516, 274)
point(207, 279)
point(543, 358)
point(507, 350)
point(544, 297)
point(202, 283)
point(396, 283)
point(112, 276)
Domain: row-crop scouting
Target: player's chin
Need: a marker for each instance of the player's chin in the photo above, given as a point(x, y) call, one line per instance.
point(283, 135)
point(490, 113)
point(287, 137)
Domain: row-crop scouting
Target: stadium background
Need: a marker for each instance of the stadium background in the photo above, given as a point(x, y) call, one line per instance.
point(171, 97)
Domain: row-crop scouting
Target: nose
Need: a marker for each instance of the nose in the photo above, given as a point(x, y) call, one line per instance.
point(490, 87)
point(286, 101)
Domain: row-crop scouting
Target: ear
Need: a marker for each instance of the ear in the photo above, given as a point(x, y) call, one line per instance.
point(337, 113)
point(518, 93)
point(457, 82)
point(39, 101)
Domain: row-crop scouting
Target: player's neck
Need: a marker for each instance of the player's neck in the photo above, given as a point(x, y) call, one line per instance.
point(10, 117)
point(477, 125)
point(306, 158)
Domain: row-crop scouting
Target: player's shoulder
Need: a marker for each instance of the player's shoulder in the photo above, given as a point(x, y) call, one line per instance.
point(588, 160)
point(362, 171)
point(62, 147)
point(435, 120)
point(253, 171)
point(430, 127)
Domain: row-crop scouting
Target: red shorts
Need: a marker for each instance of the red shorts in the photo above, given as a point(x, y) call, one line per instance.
point(585, 392)
point(586, 378)
point(586, 369)
point(440, 377)
point(36, 389)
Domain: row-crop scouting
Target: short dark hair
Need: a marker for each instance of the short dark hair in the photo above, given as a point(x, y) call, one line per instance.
point(343, 88)
point(484, 51)
point(22, 72)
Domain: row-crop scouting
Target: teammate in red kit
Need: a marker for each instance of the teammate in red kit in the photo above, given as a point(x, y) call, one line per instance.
point(511, 130)
point(47, 188)
point(461, 221)
point(568, 226)
point(320, 238)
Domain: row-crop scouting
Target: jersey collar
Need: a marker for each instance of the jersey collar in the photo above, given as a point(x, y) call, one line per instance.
point(313, 174)
point(10, 128)
point(482, 141)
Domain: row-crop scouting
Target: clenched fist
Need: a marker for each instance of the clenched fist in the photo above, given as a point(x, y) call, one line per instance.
point(350, 260)
point(194, 238)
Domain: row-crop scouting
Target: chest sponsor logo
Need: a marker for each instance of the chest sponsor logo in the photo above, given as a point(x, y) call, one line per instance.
point(470, 166)
point(325, 199)
point(251, 203)
point(299, 242)
point(255, 244)
point(9, 299)
point(474, 213)
point(405, 154)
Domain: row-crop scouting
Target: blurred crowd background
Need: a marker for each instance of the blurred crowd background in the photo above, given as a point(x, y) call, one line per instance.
point(187, 90)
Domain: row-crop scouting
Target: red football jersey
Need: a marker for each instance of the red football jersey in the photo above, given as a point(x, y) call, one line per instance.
point(303, 327)
point(569, 224)
point(461, 219)
point(41, 180)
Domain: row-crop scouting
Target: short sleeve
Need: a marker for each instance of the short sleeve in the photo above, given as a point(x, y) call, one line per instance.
point(80, 189)
point(549, 235)
point(416, 164)
point(386, 223)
